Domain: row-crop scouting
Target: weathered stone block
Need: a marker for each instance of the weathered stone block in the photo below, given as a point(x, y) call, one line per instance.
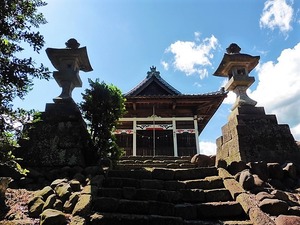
point(77, 220)
point(58, 205)
point(83, 206)
point(71, 202)
point(105, 204)
point(290, 170)
point(161, 208)
point(146, 194)
point(258, 217)
point(263, 195)
point(275, 171)
point(52, 216)
point(274, 207)
point(192, 195)
point(219, 209)
point(163, 174)
point(45, 192)
point(197, 173)
point(174, 185)
point(168, 196)
point(234, 187)
point(287, 220)
point(224, 174)
point(63, 191)
point(247, 201)
point(217, 195)
point(246, 180)
point(111, 192)
point(163, 220)
point(35, 206)
point(236, 167)
point(129, 192)
point(133, 207)
point(49, 202)
point(152, 184)
point(186, 211)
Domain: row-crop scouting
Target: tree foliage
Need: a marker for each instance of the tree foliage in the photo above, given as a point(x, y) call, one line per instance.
point(19, 21)
point(102, 106)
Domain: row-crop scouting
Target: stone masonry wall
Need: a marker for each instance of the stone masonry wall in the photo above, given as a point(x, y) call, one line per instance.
point(59, 139)
point(251, 135)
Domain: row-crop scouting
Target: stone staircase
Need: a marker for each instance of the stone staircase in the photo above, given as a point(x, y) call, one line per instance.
point(137, 162)
point(162, 191)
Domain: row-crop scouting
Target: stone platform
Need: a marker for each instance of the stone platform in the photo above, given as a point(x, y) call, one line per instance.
point(59, 139)
point(251, 135)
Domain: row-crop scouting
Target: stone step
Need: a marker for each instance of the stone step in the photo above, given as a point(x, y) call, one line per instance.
point(219, 222)
point(139, 162)
point(182, 195)
point(215, 210)
point(237, 222)
point(134, 166)
point(188, 211)
point(217, 195)
point(143, 158)
point(132, 219)
point(141, 194)
point(166, 173)
point(136, 174)
point(213, 182)
point(150, 161)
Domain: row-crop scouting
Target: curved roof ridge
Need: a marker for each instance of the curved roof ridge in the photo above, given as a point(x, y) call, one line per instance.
point(153, 75)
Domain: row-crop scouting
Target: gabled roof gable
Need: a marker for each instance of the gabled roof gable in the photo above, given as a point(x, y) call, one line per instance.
point(153, 84)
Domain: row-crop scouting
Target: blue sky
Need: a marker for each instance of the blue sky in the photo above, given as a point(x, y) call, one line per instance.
point(185, 40)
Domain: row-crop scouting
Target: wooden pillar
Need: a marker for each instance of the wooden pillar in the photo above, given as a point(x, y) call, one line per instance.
point(134, 137)
point(174, 137)
point(196, 134)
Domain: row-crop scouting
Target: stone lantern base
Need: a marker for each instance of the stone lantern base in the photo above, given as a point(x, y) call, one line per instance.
point(59, 139)
point(250, 135)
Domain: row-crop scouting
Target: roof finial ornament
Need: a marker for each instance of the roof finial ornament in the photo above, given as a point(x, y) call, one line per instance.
point(153, 68)
point(233, 49)
point(72, 44)
point(153, 72)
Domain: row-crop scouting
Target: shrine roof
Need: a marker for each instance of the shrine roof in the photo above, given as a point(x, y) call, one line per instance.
point(153, 84)
point(221, 92)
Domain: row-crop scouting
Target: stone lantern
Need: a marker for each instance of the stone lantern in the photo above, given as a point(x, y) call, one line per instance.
point(68, 61)
point(61, 137)
point(250, 135)
point(237, 66)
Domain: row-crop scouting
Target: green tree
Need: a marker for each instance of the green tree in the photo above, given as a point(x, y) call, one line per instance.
point(19, 21)
point(102, 106)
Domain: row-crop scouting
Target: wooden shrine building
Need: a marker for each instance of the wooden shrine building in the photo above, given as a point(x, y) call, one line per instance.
point(162, 121)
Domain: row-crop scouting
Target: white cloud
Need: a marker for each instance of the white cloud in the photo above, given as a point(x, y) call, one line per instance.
point(197, 84)
point(191, 57)
point(230, 99)
point(278, 88)
point(296, 132)
point(197, 36)
point(277, 14)
point(165, 65)
point(208, 148)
